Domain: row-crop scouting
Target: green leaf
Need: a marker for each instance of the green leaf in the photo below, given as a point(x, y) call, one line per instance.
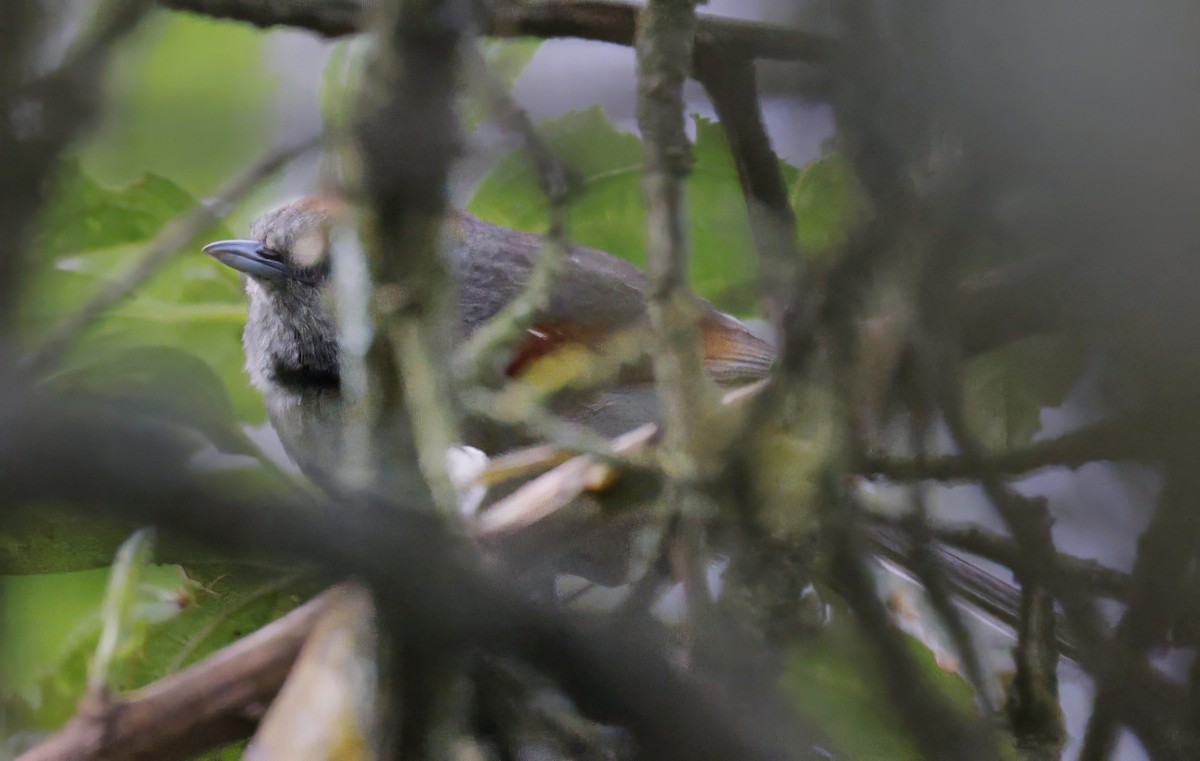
point(51, 625)
point(826, 199)
point(87, 216)
point(172, 385)
point(1004, 391)
point(191, 98)
point(607, 213)
point(92, 234)
point(507, 58)
point(37, 539)
point(49, 630)
point(227, 602)
point(341, 79)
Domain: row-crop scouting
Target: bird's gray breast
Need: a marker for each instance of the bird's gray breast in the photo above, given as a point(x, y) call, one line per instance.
point(309, 424)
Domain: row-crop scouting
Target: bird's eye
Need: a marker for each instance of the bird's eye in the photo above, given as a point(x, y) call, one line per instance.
point(270, 253)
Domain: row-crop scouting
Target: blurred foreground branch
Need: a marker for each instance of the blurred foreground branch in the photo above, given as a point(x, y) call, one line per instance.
point(416, 568)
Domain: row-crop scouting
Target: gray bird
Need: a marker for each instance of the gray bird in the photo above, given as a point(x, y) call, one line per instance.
point(292, 349)
point(291, 339)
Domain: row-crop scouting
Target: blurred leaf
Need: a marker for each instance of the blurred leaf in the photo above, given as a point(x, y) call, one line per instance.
point(724, 263)
point(826, 198)
point(171, 385)
point(189, 97)
point(38, 540)
point(85, 215)
point(831, 679)
point(341, 78)
point(193, 304)
point(609, 213)
point(1004, 391)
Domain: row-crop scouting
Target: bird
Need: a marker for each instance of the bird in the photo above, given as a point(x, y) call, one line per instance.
point(291, 344)
point(290, 337)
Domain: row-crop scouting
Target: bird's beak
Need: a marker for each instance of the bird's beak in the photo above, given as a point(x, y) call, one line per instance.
point(247, 256)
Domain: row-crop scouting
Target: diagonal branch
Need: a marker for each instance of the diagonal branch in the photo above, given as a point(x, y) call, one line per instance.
point(731, 83)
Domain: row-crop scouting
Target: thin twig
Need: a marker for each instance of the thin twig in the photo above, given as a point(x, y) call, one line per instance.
point(177, 233)
point(556, 489)
point(933, 577)
point(1032, 706)
point(416, 567)
point(119, 599)
point(1166, 551)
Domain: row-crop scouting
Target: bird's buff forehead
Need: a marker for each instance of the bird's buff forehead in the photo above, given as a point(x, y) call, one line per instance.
point(300, 230)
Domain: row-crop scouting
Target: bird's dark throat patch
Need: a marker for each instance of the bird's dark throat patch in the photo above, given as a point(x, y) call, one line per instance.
point(305, 378)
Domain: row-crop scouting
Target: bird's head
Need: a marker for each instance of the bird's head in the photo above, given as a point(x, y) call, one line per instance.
point(289, 247)
point(290, 336)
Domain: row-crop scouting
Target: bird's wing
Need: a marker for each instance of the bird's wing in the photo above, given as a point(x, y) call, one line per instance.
point(558, 354)
point(596, 308)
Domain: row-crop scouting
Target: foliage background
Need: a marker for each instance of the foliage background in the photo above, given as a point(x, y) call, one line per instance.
point(190, 101)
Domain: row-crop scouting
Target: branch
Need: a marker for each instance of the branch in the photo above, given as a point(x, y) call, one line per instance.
point(328, 18)
point(416, 568)
point(940, 730)
point(666, 32)
point(599, 21)
point(664, 47)
point(1121, 439)
point(407, 136)
point(1032, 706)
point(1166, 552)
point(201, 707)
point(1153, 714)
point(732, 86)
point(179, 232)
point(1095, 576)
